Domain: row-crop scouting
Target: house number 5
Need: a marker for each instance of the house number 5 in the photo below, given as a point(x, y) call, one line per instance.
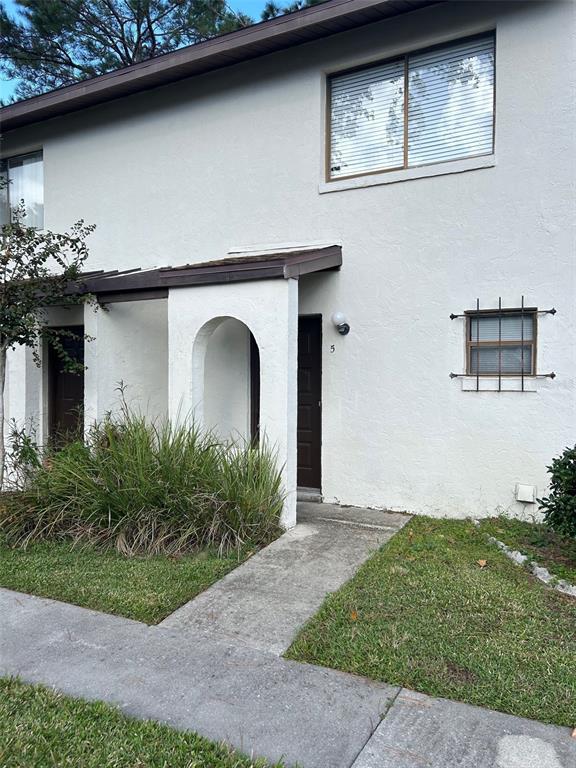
point(332, 349)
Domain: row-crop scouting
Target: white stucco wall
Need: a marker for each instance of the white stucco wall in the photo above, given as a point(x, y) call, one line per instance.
point(235, 158)
point(130, 346)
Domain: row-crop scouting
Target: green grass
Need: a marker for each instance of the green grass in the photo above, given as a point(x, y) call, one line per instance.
point(42, 729)
point(424, 614)
point(554, 552)
point(142, 588)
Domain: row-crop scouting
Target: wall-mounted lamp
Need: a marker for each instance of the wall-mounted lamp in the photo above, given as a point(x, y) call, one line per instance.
point(339, 320)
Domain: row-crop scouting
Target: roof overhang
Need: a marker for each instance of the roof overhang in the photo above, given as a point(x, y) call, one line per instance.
point(286, 31)
point(145, 284)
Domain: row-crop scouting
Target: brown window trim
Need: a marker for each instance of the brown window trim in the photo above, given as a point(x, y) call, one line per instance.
point(471, 344)
point(404, 57)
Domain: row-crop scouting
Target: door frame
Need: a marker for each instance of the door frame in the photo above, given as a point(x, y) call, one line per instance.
point(314, 316)
point(254, 354)
point(49, 355)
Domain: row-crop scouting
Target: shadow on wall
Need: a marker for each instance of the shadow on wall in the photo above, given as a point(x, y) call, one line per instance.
point(231, 378)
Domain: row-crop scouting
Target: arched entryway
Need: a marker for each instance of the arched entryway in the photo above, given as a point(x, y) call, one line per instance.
point(226, 363)
point(267, 308)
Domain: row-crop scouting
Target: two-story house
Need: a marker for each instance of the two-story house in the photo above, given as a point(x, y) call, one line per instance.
point(349, 228)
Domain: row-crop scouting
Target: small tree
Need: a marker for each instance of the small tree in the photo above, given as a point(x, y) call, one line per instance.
point(37, 268)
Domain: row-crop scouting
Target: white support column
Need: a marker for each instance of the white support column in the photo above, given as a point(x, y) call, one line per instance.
point(23, 391)
point(269, 308)
point(15, 389)
point(91, 359)
point(278, 342)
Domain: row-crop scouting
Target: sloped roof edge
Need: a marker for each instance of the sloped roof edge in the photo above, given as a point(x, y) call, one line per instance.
point(138, 284)
point(277, 34)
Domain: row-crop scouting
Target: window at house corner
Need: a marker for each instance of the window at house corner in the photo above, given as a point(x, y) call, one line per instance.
point(501, 344)
point(426, 107)
point(25, 181)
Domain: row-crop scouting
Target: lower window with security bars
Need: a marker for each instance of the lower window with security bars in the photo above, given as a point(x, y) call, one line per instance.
point(501, 345)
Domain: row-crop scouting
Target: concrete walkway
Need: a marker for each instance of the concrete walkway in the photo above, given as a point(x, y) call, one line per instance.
point(221, 675)
point(263, 604)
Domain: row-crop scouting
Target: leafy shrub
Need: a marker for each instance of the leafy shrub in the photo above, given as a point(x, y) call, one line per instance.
point(23, 456)
point(559, 507)
point(147, 488)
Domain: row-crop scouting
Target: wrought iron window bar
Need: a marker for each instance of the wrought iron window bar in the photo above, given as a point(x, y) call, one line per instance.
point(500, 313)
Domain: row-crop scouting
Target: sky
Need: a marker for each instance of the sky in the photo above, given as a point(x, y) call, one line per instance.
point(252, 8)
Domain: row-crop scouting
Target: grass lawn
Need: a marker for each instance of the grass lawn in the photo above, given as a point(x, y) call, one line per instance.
point(423, 613)
point(142, 588)
point(42, 729)
point(556, 553)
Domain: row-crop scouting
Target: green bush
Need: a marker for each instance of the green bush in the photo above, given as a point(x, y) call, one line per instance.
point(148, 488)
point(559, 507)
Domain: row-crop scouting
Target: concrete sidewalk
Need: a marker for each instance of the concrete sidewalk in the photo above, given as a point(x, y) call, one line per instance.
point(254, 700)
point(218, 676)
point(422, 732)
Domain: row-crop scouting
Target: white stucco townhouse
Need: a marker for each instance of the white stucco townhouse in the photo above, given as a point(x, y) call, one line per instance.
point(350, 228)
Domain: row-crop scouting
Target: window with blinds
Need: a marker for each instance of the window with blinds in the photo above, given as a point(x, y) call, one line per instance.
point(426, 107)
point(502, 344)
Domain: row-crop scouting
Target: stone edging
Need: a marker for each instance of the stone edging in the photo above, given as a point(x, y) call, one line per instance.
point(541, 573)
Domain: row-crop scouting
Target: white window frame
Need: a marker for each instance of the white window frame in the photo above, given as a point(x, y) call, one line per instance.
point(5, 171)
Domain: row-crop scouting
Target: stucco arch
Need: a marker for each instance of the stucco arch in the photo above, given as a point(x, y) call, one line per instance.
point(269, 309)
point(225, 397)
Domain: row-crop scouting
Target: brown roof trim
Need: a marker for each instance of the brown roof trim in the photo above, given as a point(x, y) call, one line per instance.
point(277, 34)
point(138, 285)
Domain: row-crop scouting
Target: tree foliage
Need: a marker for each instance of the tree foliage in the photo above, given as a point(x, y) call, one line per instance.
point(53, 43)
point(37, 268)
point(48, 44)
point(273, 9)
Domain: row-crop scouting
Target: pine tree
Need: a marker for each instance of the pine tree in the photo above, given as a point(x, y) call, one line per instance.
point(52, 43)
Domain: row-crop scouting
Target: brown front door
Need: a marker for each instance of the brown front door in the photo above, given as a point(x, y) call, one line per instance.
point(309, 402)
point(65, 390)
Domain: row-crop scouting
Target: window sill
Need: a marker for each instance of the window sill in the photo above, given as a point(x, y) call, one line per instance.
point(490, 384)
point(409, 174)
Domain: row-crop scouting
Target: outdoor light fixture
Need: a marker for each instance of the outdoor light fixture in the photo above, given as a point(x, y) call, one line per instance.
point(339, 320)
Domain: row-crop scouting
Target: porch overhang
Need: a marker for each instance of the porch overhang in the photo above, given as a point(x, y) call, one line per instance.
point(146, 284)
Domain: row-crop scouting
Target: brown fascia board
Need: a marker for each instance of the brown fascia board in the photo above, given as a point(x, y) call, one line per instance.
point(251, 42)
point(137, 285)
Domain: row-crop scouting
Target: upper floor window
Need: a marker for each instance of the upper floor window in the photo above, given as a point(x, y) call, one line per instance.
point(501, 343)
point(426, 107)
point(23, 179)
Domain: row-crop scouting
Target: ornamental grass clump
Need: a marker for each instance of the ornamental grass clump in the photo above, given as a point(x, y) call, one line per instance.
point(148, 488)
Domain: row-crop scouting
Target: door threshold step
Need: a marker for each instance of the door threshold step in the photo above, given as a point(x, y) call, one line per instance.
point(359, 524)
point(309, 494)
